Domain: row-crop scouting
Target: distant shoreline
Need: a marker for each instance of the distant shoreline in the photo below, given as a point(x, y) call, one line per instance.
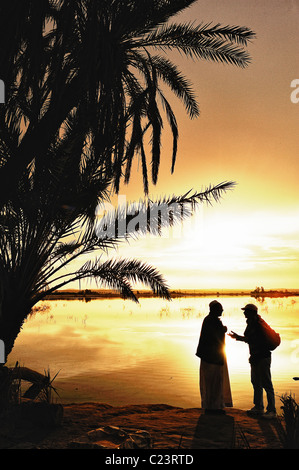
point(87, 294)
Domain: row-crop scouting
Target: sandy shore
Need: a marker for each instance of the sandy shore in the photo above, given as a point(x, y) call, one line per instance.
point(170, 428)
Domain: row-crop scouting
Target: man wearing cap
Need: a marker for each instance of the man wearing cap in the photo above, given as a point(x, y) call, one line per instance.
point(213, 373)
point(260, 362)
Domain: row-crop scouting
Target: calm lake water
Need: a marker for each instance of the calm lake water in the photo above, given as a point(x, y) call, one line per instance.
point(114, 351)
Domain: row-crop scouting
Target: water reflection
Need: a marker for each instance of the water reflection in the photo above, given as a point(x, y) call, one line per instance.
point(117, 352)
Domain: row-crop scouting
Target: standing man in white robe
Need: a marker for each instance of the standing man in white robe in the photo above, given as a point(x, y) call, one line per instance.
point(213, 373)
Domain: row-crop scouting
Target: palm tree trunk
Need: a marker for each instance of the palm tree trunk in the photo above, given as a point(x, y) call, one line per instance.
point(11, 320)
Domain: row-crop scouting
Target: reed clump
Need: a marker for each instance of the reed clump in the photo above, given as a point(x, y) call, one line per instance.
point(290, 425)
point(12, 382)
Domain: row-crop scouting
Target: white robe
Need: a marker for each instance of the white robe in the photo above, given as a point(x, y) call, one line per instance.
point(214, 386)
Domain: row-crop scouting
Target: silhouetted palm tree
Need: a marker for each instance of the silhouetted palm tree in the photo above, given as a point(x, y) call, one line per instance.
point(83, 88)
point(41, 237)
point(92, 66)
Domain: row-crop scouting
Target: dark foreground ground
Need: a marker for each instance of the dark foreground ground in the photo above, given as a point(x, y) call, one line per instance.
point(168, 427)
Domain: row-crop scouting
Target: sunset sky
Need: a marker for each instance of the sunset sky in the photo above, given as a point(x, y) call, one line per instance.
point(248, 133)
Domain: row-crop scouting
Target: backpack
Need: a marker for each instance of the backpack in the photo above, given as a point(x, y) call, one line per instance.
point(272, 338)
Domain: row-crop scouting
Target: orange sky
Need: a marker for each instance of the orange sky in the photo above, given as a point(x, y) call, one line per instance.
point(248, 133)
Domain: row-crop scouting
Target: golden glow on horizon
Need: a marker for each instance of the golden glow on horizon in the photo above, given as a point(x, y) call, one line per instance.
point(218, 249)
point(235, 242)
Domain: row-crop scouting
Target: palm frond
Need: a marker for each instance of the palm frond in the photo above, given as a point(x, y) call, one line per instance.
point(219, 44)
point(147, 216)
point(143, 15)
point(174, 128)
point(177, 83)
point(115, 274)
point(235, 34)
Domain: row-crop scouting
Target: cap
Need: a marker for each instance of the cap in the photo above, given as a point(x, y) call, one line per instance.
point(251, 307)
